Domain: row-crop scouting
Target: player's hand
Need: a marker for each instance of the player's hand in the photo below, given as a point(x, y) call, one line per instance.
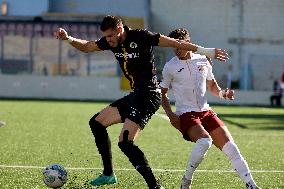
point(60, 33)
point(221, 55)
point(229, 94)
point(174, 119)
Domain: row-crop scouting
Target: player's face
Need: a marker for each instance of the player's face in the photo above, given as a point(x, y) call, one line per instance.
point(112, 36)
point(181, 54)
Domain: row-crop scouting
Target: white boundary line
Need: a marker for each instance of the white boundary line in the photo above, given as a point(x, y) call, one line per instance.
point(121, 169)
point(165, 117)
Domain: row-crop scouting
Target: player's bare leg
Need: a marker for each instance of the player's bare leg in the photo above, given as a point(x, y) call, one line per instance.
point(132, 128)
point(108, 116)
point(223, 140)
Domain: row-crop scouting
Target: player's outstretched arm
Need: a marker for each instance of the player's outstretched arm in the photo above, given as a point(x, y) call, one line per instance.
point(215, 53)
point(82, 45)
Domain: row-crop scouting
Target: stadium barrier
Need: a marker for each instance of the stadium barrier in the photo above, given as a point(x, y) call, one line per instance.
point(96, 89)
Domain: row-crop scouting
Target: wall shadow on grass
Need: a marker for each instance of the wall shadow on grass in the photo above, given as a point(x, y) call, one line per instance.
point(255, 121)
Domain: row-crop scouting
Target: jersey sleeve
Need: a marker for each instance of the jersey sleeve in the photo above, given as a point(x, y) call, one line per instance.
point(151, 38)
point(166, 77)
point(103, 44)
point(210, 75)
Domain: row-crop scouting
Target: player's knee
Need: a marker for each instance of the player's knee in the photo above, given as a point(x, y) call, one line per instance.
point(95, 125)
point(125, 145)
point(201, 147)
point(134, 154)
point(205, 143)
point(128, 147)
point(93, 120)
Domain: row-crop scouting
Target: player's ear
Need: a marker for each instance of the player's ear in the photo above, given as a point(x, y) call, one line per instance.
point(188, 40)
point(120, 28)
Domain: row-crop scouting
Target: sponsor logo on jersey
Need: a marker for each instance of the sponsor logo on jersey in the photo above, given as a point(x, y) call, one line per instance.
point(128, 55)
point(180, 69)
point(201, 68)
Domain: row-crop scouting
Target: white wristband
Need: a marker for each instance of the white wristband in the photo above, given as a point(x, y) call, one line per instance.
point(209, 52)
point(222, 94)
point(70, 39)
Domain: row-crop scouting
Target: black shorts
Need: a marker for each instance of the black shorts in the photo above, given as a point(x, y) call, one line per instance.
point(138, 106)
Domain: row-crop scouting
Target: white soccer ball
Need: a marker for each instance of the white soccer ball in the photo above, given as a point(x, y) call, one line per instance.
point(55, 176)
point(2, 123)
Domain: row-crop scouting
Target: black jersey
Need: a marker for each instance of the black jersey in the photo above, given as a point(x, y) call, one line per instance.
point(135, 57)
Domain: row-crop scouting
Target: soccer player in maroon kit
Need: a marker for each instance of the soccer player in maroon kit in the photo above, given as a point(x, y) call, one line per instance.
point(189, 74)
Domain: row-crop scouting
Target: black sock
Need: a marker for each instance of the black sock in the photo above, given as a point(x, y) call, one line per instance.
point(103, 144)
point(148, 175)
point(138, 160)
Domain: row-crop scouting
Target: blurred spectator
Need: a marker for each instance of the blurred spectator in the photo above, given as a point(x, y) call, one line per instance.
point(282, 80)
point(277, 94)
point(44, 70)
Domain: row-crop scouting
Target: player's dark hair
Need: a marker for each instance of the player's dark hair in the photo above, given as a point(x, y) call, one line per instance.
point(180, 33)
point(110, 22)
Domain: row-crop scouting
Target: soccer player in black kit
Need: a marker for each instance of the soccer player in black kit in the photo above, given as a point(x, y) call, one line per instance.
point(134, 51)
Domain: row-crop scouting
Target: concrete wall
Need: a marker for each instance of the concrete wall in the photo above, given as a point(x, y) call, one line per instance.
point(126, 8)
point(95, 88)
point(27, 7)
point(134, 7)
point(250, 29)
point(41, 87)
point(219, 23)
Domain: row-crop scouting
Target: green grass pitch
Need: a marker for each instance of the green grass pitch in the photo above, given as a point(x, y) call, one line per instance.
point(40, 133)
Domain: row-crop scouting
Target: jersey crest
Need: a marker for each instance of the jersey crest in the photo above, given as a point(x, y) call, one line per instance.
point(133, 45)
